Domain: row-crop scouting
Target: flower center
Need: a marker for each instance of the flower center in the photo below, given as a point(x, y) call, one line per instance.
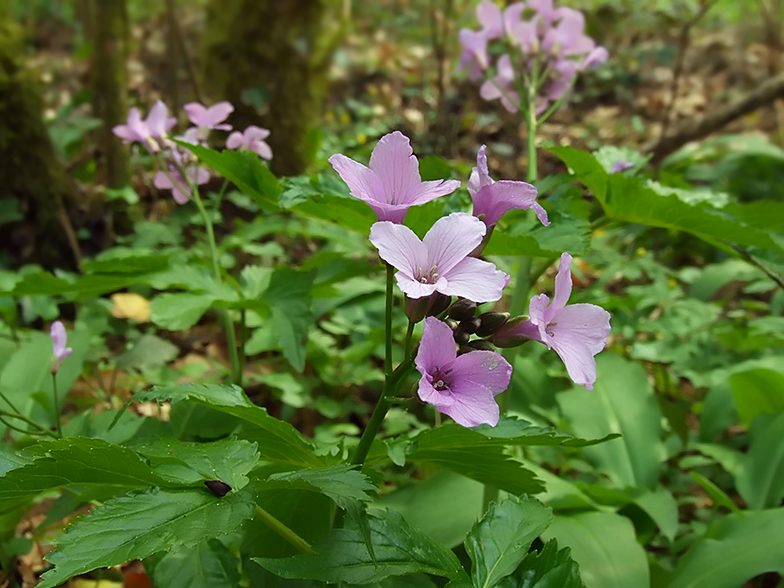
point(430, 278)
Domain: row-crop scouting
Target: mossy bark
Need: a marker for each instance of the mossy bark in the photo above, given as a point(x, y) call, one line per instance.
point(29, 170)
point(109, 83)
point(284, 46)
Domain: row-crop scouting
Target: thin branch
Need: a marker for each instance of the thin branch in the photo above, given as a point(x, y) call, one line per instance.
point(756, 262)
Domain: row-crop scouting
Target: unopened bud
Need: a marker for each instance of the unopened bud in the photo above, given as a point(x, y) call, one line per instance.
point(462, 310)
point(491, 323)
point(452, 324)
point(470, 326)
point(480, 345)
point(461, 337)
point(507, 335)
point(418, 308)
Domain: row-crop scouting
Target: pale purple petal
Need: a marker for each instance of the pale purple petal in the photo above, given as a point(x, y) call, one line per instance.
point(216, 114)
point(537, 311)
point(59, 338)
point(474, 279)
point(134, 130)
point(512, 15)
point(430, 190)
point(363, 182)
point(235, 141)
point(480, 175)
point(437, 347)
point(474, 55)
point(486, 368)
point(262, 149)
point(525, 34)
point(197, 113)
point(579, 332)
point(597, 56)
point(471, 406)
point(158, 121)
point(162, 181)
point(563, 286)
point(620, 166)
point(254, 133)
point(394, 163)
point(495, 200)
point(451, 239)
point(490, 17)
point(400, 247)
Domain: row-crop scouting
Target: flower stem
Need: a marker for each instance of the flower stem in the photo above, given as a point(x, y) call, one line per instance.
point(290, 536)
point(56, 405)
point(39, 429)
point(388, 321)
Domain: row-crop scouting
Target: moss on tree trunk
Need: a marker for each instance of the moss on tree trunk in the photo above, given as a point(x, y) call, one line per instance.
point(284, 46)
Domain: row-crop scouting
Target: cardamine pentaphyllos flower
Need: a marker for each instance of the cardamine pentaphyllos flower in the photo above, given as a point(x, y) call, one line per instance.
point(251, 139)
point(440, 262)
point(207, 118)
point(149, 132)
point(463, 387)
point(577, 332)
point(392, 183)
point(59, 342)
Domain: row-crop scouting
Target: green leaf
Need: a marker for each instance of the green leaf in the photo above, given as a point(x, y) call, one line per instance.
point(11, 461)
point(181, 310)
point(227, 460)
point(87, 286)
point(125, 261)
point(277, 440)
point(548, 568)
point(149, 352)
point(245, 170)
point(733, 551)
point(141, 523)
point(605, 546)
point(661, 506)
point(757, 391)
point(342, 556)
point(209, 564)
point(718, 495)
point(78, 461)
point(289, 296)
point(565, 233)
point(761, 479)
point(622, 402)
point(499, 542)
point(345, 211)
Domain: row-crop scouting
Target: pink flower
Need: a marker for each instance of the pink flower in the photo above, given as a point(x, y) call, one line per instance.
point(440, 262)
point(493, 199)
point(206, 119)
point(251, 139)
point(181, 188)
point(577, 332)
point(502, 85)
point(620, 166)
point(149, 132)
point(59, 342)
point(474, 43)
point(392, 183)
point(462, 387)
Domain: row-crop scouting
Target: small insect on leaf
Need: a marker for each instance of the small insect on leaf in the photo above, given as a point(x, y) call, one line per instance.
point(218, 488)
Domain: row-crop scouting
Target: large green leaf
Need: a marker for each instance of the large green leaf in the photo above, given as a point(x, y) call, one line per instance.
point(245, 170)
point(45, 284)
point(734, 550)
point(78, 461)
point(761, 479)
point(144, 522)
point(499, 542)
point(622, 402)
point(277, 440)
point(227, 460)
point(565, 233)
point(755, 391)
point(605, 546)
point(208, 564)
point(345, 211)
point(288, 294)
point(548, 568)
point(342, 556)
point(179, 310)
point(630, 199)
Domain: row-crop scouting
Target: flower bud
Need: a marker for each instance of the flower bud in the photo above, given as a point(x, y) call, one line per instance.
point(462, 310)
point(491, 323)
point(461, 337)
point(480, 345)
point(470, 326)
point(418, 308)
point(507, 335)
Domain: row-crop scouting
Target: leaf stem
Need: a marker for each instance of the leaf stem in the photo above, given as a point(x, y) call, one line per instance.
point(40, 430)
point(388, 321)
point(56, 404)
point(290, 536)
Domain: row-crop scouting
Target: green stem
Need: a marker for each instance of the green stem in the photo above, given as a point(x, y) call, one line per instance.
point(12, 415)
point(8, 402)
point(290, 536)
point(388, 321)
point(56, 404)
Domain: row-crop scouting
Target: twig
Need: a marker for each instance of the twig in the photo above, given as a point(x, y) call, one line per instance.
point(754, 261)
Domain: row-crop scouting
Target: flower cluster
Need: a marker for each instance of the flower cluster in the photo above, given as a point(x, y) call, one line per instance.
point(461, 372)
point(179, 170)
point(542, 48)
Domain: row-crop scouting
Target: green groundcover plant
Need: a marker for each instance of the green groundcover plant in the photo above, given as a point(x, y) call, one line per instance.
point(402, 299)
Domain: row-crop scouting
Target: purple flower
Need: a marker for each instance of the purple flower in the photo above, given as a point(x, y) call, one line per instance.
point(620, 166)
point(492, 199)
point(462, 387)
point(149, 132)
point(577, 332)
point(251, 139)
point(474, 43)
point(392, 183)
point(440, 262)
point(502, 85)
point(59, 342)
point(209, 118)
point(180, 187)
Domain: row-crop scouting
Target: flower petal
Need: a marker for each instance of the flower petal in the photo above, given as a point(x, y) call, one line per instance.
point(472, 405)
point(563, 286)
point(580, 331)
point(451, 239)
point(490, 17)
point(400, 247)
point(59, 338)
point(363, 182)
point(235, 141)
point(264, 151)
point(537, 312)
point(217, 113)
point(480, 175)
point(430, 190)
point(197, 113)
point(394, 163)
point(495, 200)
point(486, 368)
point(437, 348)
point(474, 279)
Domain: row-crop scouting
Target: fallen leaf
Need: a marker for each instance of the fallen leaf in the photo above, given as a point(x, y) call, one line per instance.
point(128, 305)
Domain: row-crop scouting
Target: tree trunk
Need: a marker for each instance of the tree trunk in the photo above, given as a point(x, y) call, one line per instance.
point(109, 84)
point(31, 177)
point(283, 48)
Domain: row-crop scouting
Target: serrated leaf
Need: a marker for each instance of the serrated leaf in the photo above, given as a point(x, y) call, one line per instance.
point(548, 568)
point(227, 460)
point(288, 294)
point(180, 310)
point(499, 542)
point(277, 440)
point(209, 564)
point(78, 461)
point(141, 523)
point(342, 556)
point(11, 461)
